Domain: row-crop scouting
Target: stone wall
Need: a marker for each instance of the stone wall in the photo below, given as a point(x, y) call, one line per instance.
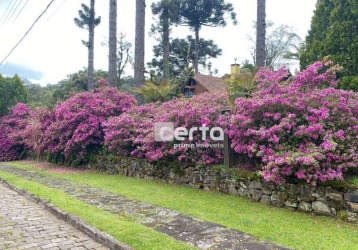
point(336, 200)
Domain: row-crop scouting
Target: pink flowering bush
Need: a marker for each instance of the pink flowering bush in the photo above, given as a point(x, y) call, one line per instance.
point(302, 127)
point(134, 134)
point(11, 126)
point(124, 133)
point(77, 129)
point(35, 133)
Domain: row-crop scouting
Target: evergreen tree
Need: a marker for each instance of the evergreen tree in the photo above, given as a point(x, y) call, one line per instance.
point(88, 21)
point(182, 54)
point(334, 33)
point(112, 44)
point(139, 47)
point(168, 13)
point(315, 41)
point(12, 91)
point(198, 13)
point(261, 33)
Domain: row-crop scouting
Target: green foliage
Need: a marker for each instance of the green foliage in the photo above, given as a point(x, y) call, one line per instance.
point(84, 20)
point(157, 91)
point(242, 85)
point(349, 83)
point(49, 95)
point(12, 91)
point(160, 7)
point(334, 32)
point(182, 54)
point(197, 13)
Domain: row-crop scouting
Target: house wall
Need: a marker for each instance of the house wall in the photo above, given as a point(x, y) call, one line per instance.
point(334, 201)
point(199, 89)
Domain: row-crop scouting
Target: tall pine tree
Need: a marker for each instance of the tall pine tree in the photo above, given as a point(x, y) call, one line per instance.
point(334, 32)
point(88, 21)
point(198, 13)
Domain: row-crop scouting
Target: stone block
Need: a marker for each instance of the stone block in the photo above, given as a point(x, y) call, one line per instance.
point(305, 207)
point(255, 185)
point(255, 194)
point(334, 200)
point(265, 199)
point(278, 198)
point(352, 207)
point(291, 204)
point(321, 208)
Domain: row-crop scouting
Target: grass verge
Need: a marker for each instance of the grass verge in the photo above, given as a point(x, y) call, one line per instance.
point(124, 230)
point(293, 229)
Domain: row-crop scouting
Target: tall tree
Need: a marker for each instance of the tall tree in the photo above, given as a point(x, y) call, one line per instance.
point(261, 33)
point(12, 91)
point(168, 12)
point(139, 68)
point(198, 13)
point(334, 33)
point(315, 41)
point(88, 21)
point(112, 44)
point(279, 43)
point(182, 54)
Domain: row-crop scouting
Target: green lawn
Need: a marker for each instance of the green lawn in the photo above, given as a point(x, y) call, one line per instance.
point(297, 230)
point(122, 228)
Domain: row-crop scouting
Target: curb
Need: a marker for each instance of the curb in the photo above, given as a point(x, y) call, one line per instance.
point(92, 232)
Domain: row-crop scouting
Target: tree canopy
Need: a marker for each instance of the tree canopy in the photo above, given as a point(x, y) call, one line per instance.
point(334, 33)
point(12, 91)
point(198, 13)
point(182, 54)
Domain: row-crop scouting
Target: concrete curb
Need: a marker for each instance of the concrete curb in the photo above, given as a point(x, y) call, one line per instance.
point(92, 232)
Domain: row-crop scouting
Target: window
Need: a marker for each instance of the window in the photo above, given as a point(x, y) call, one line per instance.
point(188, 93)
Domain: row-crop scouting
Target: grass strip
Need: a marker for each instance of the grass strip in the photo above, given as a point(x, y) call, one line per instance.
point(285, 227)
point(122, 228)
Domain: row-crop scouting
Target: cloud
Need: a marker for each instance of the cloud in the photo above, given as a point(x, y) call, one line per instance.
point(12, 69)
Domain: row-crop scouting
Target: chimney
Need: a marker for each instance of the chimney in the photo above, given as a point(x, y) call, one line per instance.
point(235, 69)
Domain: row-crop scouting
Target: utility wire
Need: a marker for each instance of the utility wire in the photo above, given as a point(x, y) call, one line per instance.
point(3, 70)
point(57, 9)
point(20, 11)
point(6, 11)
point(38, 18)
point(14, 11)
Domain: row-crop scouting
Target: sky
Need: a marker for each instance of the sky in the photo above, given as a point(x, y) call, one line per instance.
point(53, 48)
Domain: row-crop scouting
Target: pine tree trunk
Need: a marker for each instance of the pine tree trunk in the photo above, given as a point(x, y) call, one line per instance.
point(197, 49)
point(90, 83)
point(112, 57)
point(261, 33)
point(166, 62)
point(139, 68)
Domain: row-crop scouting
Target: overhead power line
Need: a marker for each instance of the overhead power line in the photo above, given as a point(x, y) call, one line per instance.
point(14, 11)
point(3, 69)
point(9, 13)
point(20, 11)
point(6, 11)
point(57, 9)
point(38, 18)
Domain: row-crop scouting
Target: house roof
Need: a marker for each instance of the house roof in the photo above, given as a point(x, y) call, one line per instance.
point(213, 84)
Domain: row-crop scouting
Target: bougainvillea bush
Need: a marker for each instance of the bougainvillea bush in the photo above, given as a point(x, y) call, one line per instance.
point(124, 133)
point(134, 133)
point(302, 127)
point(77, 129)
point(11, 126)
point(35, 133)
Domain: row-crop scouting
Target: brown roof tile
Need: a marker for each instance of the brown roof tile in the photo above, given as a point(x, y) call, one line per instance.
point(213, 84)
